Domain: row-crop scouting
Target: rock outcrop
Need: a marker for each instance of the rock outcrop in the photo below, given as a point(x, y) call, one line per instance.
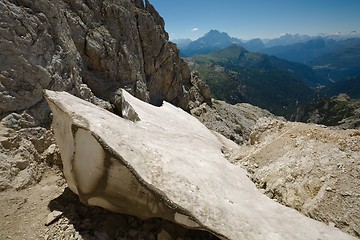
point(308, 167)
point(24, 153)
point(90, 49)
point(152, 165)
point(233, 121)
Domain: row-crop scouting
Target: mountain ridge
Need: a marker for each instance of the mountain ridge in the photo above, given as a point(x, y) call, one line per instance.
point(237, 75)
point(257, 44)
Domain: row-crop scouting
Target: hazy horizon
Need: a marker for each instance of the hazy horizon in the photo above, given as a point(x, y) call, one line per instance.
point(266, 19)
point(357, 33)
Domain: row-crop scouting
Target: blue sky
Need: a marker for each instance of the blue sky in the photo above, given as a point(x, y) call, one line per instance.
point(247, 19)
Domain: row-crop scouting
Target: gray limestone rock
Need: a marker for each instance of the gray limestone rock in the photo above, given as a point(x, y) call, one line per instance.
point(308, 167)
point(87, 48)
point(233, 121)
point(24, 179)
point(22, 150)
point(4, 183)
point(52, 217)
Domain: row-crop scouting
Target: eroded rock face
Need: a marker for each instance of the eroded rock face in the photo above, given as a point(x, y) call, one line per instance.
point(159, 167)
point(233, 121)
point(90, 49)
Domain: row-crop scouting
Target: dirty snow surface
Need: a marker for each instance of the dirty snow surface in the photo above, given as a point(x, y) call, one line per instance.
point(179, 160)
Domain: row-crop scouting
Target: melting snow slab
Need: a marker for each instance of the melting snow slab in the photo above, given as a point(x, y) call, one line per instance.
point(162, 162)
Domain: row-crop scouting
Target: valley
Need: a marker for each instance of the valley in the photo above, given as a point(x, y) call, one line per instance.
point(280, 75)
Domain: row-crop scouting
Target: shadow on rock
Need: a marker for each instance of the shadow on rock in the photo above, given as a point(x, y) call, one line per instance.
point(79, 221)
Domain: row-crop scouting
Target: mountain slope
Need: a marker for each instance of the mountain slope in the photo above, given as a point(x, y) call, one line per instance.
point(237, 75)
point(340, 64)
point(349, 86)
point(287, 39)
point(338, 111)
point(302, 52)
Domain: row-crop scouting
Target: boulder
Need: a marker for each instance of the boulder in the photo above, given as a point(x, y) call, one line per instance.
point(165, 163)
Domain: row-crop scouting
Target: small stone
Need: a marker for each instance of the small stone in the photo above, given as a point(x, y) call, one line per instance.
point(133, 232)
point(256, 165)
point(24, 179)
point(86, 224)
point(163, 235)
point(52, 217)
point(64, 227)
point(133, 223)
point(4, 184)
point(75, 236)
point(329, 189)
point(22, 163)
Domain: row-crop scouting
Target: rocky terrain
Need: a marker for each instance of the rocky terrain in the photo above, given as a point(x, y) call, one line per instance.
point(49, 210)
point(142, 164)
point(232, 121)
point(311, 168)
point(91, 49)
point(340, 111)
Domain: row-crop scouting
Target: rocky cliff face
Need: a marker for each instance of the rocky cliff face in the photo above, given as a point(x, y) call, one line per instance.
point(90, 49)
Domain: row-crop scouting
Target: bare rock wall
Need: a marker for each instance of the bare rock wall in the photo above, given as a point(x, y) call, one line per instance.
point(90, 49)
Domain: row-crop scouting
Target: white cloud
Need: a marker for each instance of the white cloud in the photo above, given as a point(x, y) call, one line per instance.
point(195, 29)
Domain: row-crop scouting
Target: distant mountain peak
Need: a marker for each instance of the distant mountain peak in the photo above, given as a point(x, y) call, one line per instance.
point(215, 40)
point(216, 33)
point(216, 37)
point(210, 42)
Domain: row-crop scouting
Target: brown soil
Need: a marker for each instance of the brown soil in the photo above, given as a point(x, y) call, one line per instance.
point(25, 214)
